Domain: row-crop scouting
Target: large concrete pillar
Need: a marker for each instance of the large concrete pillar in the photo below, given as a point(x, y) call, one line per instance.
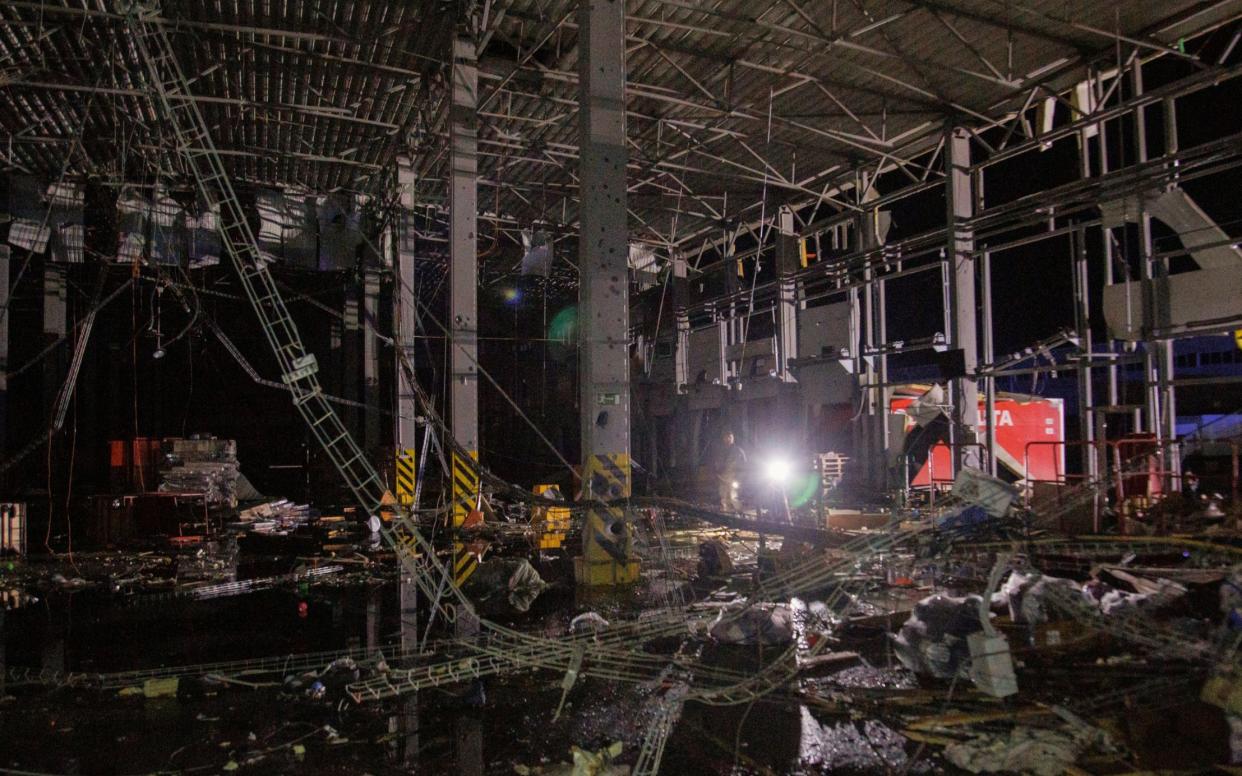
point(962, 334)
point(463, 343)
point(463, 270)
point(603, 320)
point(405, 430)
point(404, 315)
point(463, 285)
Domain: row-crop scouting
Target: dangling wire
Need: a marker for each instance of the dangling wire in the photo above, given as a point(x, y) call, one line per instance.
point(762, 237)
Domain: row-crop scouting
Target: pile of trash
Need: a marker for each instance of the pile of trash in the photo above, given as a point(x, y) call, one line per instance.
point(214, 561)
point(1040, 751)
point(767, 624)
point(328, 683)
point(1026, 595)
point(512, 578)
point(933, 642)
point(204, 465)
point(277, 518)
point(585, 763)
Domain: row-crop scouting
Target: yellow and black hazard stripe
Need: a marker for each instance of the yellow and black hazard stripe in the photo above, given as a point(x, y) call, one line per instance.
point(465, 486)
point(464, 563)
point(405, 540)
point(608, 476)
point(405, 476)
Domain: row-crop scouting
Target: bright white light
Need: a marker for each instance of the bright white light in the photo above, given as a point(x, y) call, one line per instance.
point(777, 471)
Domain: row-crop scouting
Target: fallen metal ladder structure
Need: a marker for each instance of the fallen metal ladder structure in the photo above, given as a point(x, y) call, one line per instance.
point(298, 367)
point(174, 102)
point(258, 379)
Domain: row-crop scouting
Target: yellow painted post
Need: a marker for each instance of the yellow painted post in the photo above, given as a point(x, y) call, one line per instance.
point(465, 499)
point(555, 521)
point(407, 466)
point(608, 544)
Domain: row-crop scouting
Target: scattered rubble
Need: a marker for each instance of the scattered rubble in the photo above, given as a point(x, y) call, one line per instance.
point(933, 641)
point(205, 465)
point(768, 624)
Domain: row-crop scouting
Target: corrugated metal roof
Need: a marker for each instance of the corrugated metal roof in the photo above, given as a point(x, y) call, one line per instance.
point(727, 98)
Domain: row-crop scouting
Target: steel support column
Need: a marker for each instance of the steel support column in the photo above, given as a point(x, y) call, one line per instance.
point(1158, 354)
point(603, 321)
point(1082, 323)
point(881, 370)
point(788, 262)
point(859, 428)
point(4, 356)
point(989, 356)
point(987, 338)
point(371, 348)
point(54, 300)
point(1168, 385)
point(351, 330)
point(676, 422)
point(962, 334)
point(1089, 421)
point(54, 323)
point(869, 447)
point(681, 300)
point(405, 431)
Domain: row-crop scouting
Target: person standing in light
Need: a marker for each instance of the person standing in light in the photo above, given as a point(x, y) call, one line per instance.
point(728, 471)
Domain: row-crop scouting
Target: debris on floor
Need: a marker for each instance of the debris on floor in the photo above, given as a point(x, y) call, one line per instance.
point(885, 649)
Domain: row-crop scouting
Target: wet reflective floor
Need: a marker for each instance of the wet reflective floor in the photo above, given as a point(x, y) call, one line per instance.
point(274, 722)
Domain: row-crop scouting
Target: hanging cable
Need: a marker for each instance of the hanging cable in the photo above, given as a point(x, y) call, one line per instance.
point(486, 374)
point(762, 237)
point(74, 148)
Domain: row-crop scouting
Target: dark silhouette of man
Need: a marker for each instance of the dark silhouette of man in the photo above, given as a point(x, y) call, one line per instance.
point(728, 471)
